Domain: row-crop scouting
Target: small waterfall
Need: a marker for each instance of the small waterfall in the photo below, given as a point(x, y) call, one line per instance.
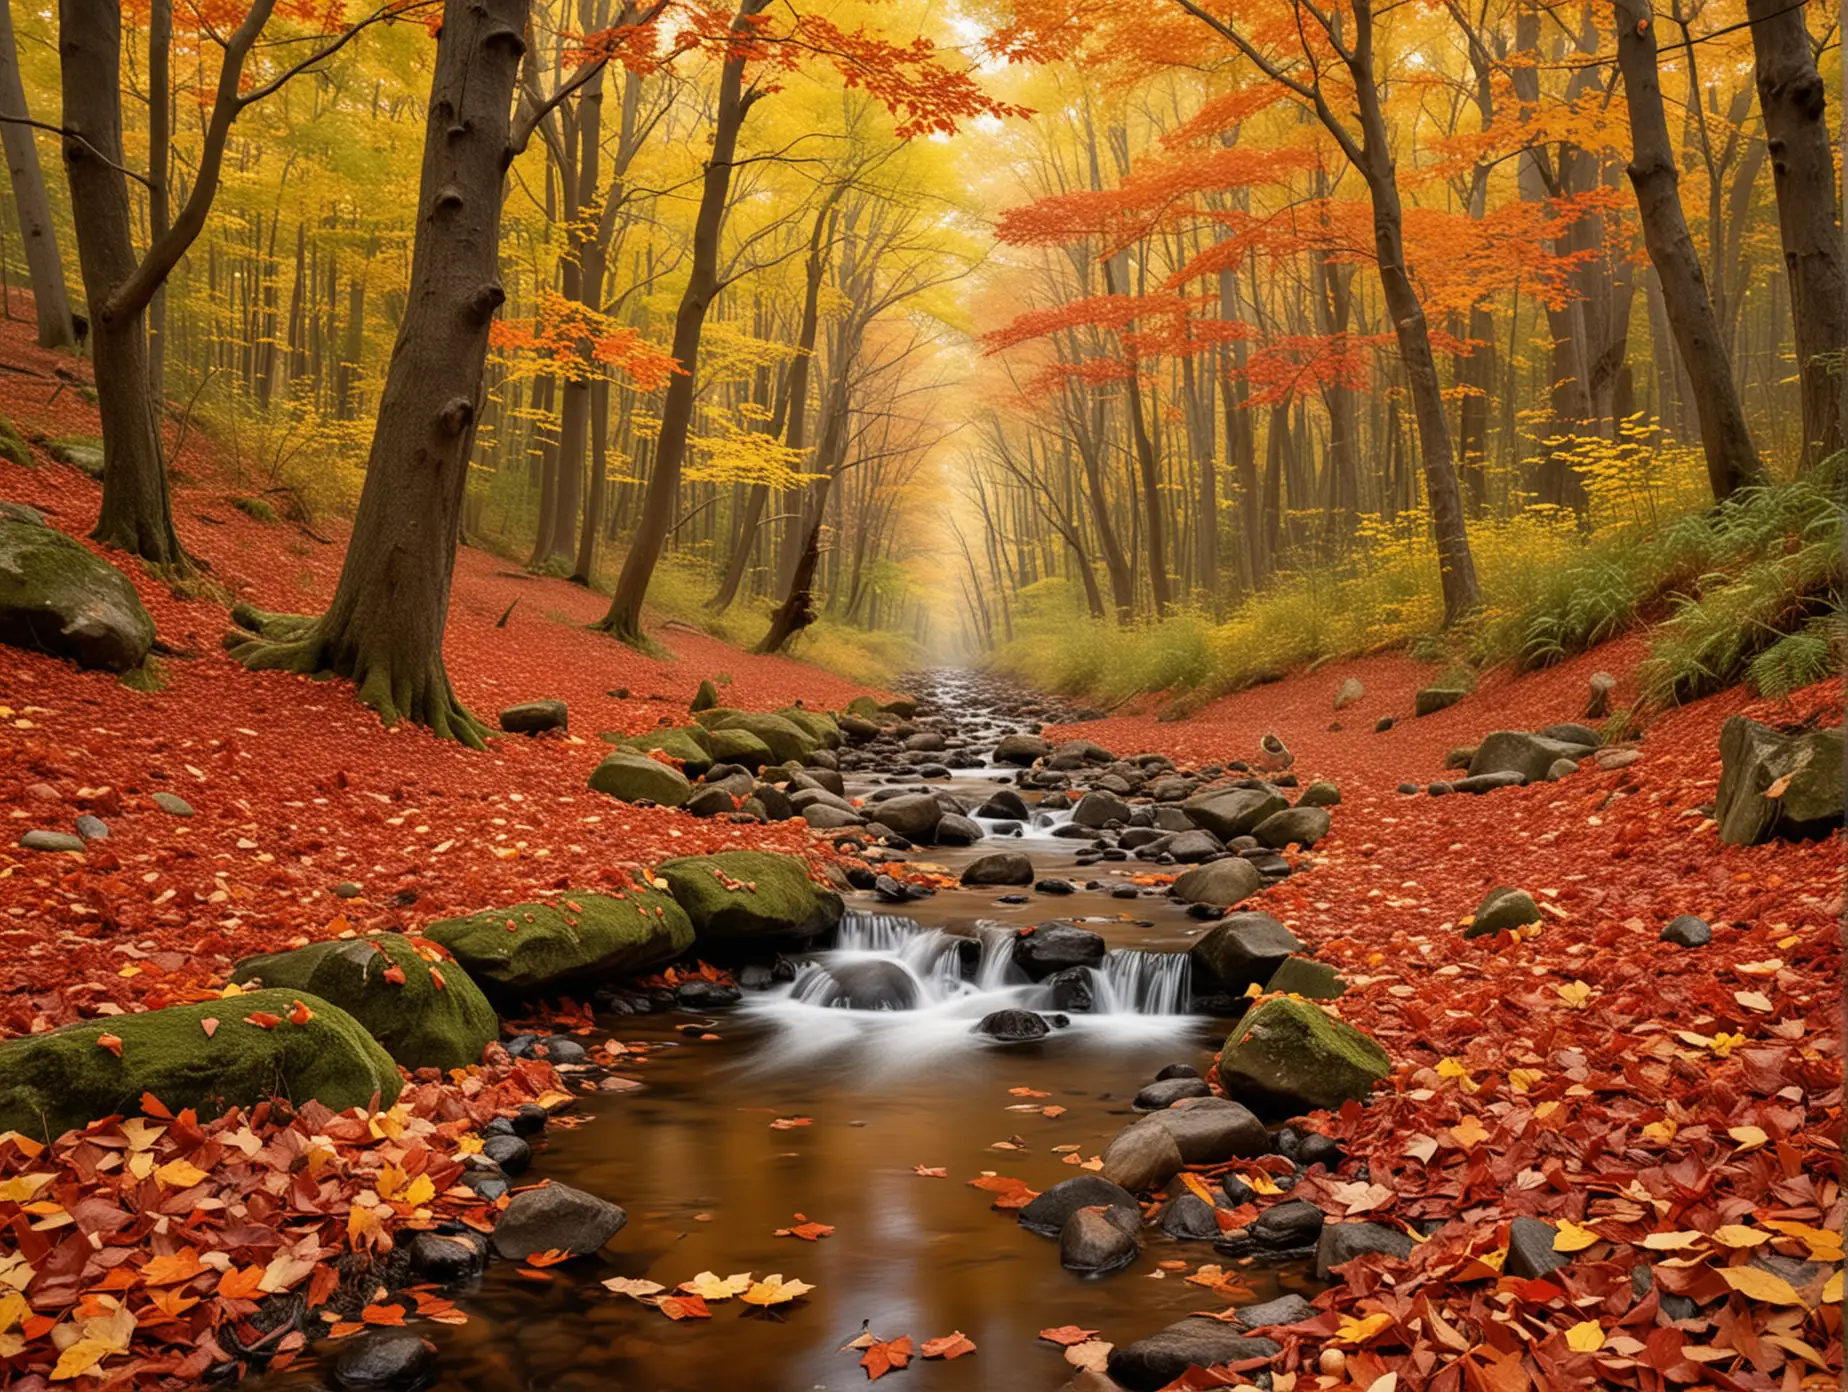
point(1143, 983)
point(996, 967)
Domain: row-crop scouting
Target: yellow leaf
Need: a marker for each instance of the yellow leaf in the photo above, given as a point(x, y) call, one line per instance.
point(1525, 1079)
point(1570, 1237)
point(1585, 1337)
point(709, 1287)
point(1724, 1044)
point(1748, 1137)
point(1738, 1235)
point(1673, 1241)
point(180, 1174)
point(21, 1188)
point(420, 1192)
point(1468, 1133)
point(1758, 1285)
point(13, 1311)
point(1574, 995)
point(1451, 1068)
point(1661, 1132)
point(1359, 1331)
point(1832, 1290)
point(774, 1290)
point(79, 1358)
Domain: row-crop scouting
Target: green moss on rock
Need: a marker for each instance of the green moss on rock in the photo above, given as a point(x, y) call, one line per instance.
point(741, 747)
point(52, 1083)
point(1288, 1056)
point(632, 777)
point(786, 740)
point(740, 895)
point(866, 708)
point(572, 941)
point(819, 726)
point(706, 697)
point(420, 1024)
point(59, 597)
point(691, 744)
point(12, 447)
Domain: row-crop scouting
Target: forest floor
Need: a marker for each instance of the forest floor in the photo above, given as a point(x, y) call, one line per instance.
point(1590, 1073)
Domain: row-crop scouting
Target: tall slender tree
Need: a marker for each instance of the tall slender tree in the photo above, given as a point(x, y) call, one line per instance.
point(51, 301)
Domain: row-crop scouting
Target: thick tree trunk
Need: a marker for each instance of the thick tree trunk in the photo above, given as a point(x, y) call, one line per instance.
point(36, 229)
point(1732, 458)
point(1794, 102)
point(624, 620)
point(135, 514)
point(384, 628)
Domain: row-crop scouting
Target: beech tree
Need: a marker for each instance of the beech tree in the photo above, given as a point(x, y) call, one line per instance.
point(384, 628)
point(51, 301)
point(137, 515)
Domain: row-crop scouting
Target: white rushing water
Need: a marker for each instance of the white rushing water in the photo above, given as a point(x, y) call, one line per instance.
point(902, 995)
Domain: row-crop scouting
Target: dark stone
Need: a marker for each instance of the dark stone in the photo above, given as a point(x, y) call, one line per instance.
point(999, 868)
point(1099, 808)
point(447, 1260)
point(92, 828)
point(1515, 751)
point(1050, 948)
point(59, 597)
point(1012, 1026)
point(1317, 1149)
point(1048, 1214)
point(1674, 1307)
point(1287, 1226)
point(874, 984)
point(556, 1216)
point(1530, 1250)
point(1384, 723)
point(1433, 699)
point(1753, 759)
point(1569, 733)
point(534, 717)
point(529, 1120)
point(1687, 931)
point(1004, 804)
point(1342, 1242)
point(1189, 1216)
point(1160, 1096)
point(560, 1050)
point(1072, 990)
point(706, 995)
point(1502, 908)
point(1055, 887)
point(1285, 1309)
point(50, 841)
point(1488, 782)
point(1408, 788)
point(1177, 1070)
point(511, 1153)
point(1189, 847)
point(386, 1358)
point(1094, 1241)
point(956, 830)
point(1242, 950)
point(1294, 826)
point(1195, 1342)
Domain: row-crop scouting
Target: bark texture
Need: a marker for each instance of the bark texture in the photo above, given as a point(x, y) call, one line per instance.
point(52, 301)
point(384, 628)
point(1732, 458)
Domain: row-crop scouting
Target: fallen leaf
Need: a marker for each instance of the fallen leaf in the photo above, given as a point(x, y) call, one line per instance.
point(930, 1173)
point(634, 1289)
point(774, 1290)
point(114, 1045)
point(790, 1123)
point(1570, 1237)
point(710, 1287)
point(1067, 1334)
point(300, 1014)
point(1762, 1286)
point(679, 1307)
point(880, 1359)
point(1587, 1336)
point(1748, 1137)
point(1093, 1355)
point(949, 1346)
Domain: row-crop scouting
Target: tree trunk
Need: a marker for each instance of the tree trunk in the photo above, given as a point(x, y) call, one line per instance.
point(36, 229)
point(384, 628)
point(136, 516)
point(1732, 459)
point(624, 619)
point(1794, 102)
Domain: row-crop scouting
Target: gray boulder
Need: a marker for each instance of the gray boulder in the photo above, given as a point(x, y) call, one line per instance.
point(1516, 751)
point(1001, 868)
point(1099, 808)
point(1775, 785)
point(1048, 1214)
point(1503, 907)
point(556, 1216)
point(59, 597)
point(1192, 847)
point(1021, 750)
point(1159, 1096)
point(1050, 948)
point(1222, 882)
point(1242, 949)
point(394, 1359)
point(634, 777)
point(913, 816)
point(1433, 699)
point(1294, 826)
point(1530, 1250)
point(1233, 811)
point(1687, 931)
point(1288, 1057)
point(1013, 1026)
point(1320, 795)
point(1342, 1242)
point(532, 717)
point(1096, 1240)
point(1195, 1342)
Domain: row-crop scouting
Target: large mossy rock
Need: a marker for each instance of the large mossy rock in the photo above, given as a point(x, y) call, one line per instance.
point(634, 777)
point(421, 1024)
point(691, 744)
point(57, 596)
point(1288, 1056)
point(819, 726)
point(1805, 770)
point(740, 747)
point(573, 941)
point(737, 896)
point(787, 741)
point(12, 447)
point(50, 1083)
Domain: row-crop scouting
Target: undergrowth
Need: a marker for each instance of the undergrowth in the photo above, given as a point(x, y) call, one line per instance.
point(1744, 591)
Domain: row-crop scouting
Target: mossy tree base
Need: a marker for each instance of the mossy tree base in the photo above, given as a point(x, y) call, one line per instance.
point(417, 691)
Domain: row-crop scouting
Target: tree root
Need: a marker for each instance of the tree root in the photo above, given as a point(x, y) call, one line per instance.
point(629, 633)
point(423, 697)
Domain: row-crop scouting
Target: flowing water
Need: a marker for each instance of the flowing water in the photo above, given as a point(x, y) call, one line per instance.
point(872, 1043)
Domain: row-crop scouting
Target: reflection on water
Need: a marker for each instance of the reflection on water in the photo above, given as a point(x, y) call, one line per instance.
point(706, 1180)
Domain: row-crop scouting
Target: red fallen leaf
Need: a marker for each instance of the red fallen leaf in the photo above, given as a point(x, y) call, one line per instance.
point(1066, 1335)
point(172, 1268)
point(806, 1229)
point(262, 1019)
point(532, 1275)
point(436, 978)
point(552, 1256)
point(300, 1014)
point(953, 1345)
point(154, 1107)
point(344, 1329)
point(929, 1173)
point(395, 974)
point(683, 1305)
point(245, 1284)
point(880, 1359)
point(209, 1025)
point(111, 1043)
point(383, 1314)
point(790, 1123)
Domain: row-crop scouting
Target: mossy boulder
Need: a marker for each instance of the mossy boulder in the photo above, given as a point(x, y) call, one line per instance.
point(739, 747)
point(634, 777)
point(706, 697)
point(1288, 1056)
point(59, 597)
point(50, 1083)
point(575, 940)
point(819, 726)
point(12, 447)
point(737, 896)
point(257, 509)
point(1501, 909)
point(82, 452)
point(421, 1024)
point(866, 708)
point(1777, 785)
point(787, 741)
point(690, 744)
